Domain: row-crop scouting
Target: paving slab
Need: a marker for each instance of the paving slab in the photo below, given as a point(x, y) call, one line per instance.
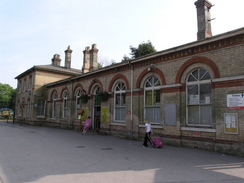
point(34, 154)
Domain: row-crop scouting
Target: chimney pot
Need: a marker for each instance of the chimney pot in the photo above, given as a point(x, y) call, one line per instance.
point(203, 17)
point(68, 53)
point(56, 60)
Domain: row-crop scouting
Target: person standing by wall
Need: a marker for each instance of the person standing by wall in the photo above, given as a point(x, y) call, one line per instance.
point(87, 125)
point(148, 131)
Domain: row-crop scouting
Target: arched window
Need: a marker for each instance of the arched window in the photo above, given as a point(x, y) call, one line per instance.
point(18, 108)
point(28, 108)
point(20, 86)
point(54, 111)
point(97, 107)
point(23, 114)
point(78, 94)
point(119, 102)
point(24, 85)
point(97, 101)
point(65, 104)
point(30, 82)
point(152, 100)
point(198, 90)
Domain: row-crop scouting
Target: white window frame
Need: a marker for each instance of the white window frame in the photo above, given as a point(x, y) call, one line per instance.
point(54, 105)
point(24, 85)
point(155, 118)
point(197, 102)
point(42, 107)
point(28, 108)
point(78, 102)
point(96, 91)
point(20, 86)
point(65, 104)
point(30, 82)
point(18, 109)
point(119, 106)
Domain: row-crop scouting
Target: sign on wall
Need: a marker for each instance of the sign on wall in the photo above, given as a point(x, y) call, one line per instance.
point(235, 101)
point(84, 116)
point(231, 123)
point(170, 114)
point(104, 114)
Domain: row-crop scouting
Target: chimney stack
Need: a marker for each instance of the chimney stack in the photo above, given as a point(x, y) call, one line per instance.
point(90, 59)
point(203, 19)
point(56, 60)
point(68, 53)
point(93, 58)
point(86, 60)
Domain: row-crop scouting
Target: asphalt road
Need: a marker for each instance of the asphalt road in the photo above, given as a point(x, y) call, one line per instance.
point(51, 155)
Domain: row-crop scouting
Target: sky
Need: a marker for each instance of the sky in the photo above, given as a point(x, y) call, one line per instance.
point(32, 31)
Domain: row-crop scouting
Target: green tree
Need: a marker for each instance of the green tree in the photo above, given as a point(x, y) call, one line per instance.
point(125, 58)
point(143, 49)
point(7, 96)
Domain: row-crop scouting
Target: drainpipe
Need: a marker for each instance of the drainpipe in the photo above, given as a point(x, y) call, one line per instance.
point(131, 98)
point(71, 103)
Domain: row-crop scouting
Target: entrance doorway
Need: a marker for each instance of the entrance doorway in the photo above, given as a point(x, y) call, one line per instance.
point(97, 109)
point(97, 117)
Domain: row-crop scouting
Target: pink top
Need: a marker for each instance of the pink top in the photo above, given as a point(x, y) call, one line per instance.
point(88, 122)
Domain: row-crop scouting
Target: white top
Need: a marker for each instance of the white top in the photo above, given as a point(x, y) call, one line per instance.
point(148, 127)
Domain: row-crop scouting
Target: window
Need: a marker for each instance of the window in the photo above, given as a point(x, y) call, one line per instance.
point(65, 104)
point(20, 86)
point(97, 101)
point(199, 107)
point(119, 102)
point(30, 82)
point(24, 85)
point(41, 108)
point(18, 109)
point(23, 109)
point(78, 102)
point(29, 108)
point(152, 100)
point(54, 111)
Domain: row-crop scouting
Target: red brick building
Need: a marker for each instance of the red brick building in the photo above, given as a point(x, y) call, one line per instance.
point(193, 94)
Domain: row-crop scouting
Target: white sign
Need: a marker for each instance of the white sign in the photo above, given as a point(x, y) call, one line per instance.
point(231, 123)
point(194, 99)
point(235, 101)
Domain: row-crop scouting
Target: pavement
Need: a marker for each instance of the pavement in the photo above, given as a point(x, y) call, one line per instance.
point(34, 154)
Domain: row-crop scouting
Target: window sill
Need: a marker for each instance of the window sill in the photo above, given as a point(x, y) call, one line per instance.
point(41, 117)
point(153, 126)
point(78, 120)
point(118, 124)
point(195, 129)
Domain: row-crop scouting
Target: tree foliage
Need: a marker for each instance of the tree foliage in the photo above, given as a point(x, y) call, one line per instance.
point(7, 96)
point(125, 58)
point(143, 49)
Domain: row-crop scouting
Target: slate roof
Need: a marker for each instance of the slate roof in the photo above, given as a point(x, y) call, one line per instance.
point(53, 69)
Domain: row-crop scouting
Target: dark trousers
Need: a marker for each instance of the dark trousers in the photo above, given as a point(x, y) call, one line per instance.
point(148, 138)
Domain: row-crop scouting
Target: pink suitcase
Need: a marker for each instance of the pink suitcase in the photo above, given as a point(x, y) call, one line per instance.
point(158, 142)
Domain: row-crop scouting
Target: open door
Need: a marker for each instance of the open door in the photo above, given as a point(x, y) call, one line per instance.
point(97, 109)
point(97, 117)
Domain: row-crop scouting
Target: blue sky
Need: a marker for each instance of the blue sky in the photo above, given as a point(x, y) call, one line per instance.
point(32, 31)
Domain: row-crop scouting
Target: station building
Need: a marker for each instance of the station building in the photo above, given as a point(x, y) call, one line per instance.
point(193, 94)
